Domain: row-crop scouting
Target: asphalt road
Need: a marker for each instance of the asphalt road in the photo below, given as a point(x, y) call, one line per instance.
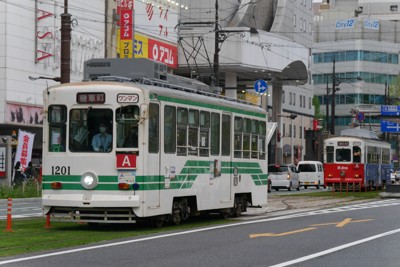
point(359, 235)
point(21, 208)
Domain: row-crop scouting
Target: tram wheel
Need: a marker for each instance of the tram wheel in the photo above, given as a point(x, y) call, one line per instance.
point(176, 219)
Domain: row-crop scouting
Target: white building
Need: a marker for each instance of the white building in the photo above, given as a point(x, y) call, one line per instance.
point(30, 43)
point(362, 38)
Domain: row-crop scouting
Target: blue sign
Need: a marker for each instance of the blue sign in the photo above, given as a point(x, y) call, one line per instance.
point(390, 110)
point(389, 127)
point(260, 86)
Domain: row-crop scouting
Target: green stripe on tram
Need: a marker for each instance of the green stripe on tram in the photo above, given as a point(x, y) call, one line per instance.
point(184, 180)
point(211, 106)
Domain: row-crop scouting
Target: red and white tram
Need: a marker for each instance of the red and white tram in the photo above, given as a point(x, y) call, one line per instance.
point(356, 160)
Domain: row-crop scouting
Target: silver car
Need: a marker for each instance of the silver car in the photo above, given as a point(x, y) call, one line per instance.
point(283, 176)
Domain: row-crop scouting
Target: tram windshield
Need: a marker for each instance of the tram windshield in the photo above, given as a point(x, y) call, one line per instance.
point(343, 155)
point(90, 130)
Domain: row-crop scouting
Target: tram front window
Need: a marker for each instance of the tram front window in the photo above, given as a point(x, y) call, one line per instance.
point(90, 130)
point(127, 126)
point(343, 155)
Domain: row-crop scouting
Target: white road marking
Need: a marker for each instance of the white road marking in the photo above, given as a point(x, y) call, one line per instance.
point(332, 250)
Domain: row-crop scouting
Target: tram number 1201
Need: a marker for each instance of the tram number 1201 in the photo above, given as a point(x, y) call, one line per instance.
point(60, 170)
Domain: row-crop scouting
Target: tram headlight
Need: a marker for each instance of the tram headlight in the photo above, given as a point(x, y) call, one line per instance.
point(89, 180)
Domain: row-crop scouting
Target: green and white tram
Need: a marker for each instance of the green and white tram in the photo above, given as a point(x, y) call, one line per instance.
point(163, 153)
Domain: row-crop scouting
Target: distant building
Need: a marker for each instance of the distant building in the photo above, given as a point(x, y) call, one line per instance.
point(30, 47)
point(362, 38)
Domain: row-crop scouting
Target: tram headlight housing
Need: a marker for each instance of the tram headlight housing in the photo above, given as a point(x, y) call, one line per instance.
point(89, 180)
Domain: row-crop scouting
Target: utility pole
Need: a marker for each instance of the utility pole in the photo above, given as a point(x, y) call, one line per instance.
point(65, 44)
point(216, 48)
point(327, 103)
point(333, 99)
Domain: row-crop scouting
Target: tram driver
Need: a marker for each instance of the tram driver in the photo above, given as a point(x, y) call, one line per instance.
point(102, 141)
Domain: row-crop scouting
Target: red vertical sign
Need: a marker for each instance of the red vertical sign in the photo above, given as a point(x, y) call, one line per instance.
point(126, 24)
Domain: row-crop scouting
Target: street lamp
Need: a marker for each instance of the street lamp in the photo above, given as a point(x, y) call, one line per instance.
point(56, 79)
point(336, 81)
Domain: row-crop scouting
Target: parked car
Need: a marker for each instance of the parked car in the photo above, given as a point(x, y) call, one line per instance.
point(284, 176)
point(395, 176)
point(311, 173)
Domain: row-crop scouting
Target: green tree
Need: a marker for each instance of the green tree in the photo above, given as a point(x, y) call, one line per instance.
point(317, 108)
point(394, 92)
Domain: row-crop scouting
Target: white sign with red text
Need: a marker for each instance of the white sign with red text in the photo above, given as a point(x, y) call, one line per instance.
point(24, 149)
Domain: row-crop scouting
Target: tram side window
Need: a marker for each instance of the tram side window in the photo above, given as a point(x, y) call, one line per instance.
point(246, 138)
point(193, 132)
point(330, 153)
point(356, 154)
point(261, 144)
point(154, 128)
point(215, 136)
point(378, 155)
point(343, 155)
point(226, 135)
point(254, 139)
point(181, 134)
point(127, 126)
point(385, 156)
point(169, 129)
point(57, 118)
point(204, 133)
point(238, 128)
point(372, 155)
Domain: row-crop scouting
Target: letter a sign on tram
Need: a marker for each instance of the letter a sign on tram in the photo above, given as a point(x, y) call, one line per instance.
point(260, 86)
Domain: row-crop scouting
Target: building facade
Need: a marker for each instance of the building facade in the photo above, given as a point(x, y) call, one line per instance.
point(30, 46)
point(362, 53)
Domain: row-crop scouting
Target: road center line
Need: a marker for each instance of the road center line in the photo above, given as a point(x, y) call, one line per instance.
point(332, 250)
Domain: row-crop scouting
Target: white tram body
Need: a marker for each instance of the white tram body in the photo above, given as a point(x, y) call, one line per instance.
point(195, 152)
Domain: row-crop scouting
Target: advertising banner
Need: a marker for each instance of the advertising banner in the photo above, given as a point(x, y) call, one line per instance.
point(2, 161)
point(24, 149)
point(163, 52)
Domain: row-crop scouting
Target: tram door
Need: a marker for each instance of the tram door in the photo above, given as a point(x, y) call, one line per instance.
point(226, 145)
point(153, 175)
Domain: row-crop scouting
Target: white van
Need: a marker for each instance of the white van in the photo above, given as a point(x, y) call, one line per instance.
point(311, 173)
